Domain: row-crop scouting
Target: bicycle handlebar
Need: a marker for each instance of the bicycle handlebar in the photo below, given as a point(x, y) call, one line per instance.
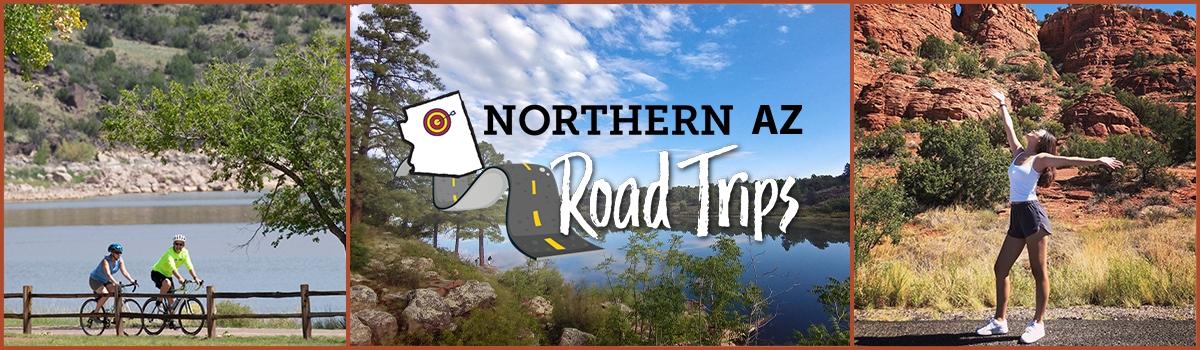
point(123, 285)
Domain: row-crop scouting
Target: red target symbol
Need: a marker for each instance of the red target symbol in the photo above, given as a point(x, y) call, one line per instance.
point(437, 121)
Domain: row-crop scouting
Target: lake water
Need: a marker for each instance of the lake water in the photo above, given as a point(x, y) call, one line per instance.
point(808, 253)
point(53, 246)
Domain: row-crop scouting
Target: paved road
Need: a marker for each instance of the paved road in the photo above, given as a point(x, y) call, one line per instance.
point(240, 332)
point(533, 207)
point(1058, 333)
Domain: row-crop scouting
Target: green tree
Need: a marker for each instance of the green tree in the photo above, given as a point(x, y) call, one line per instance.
point(27, 30)
point(284, 121)
point(392, 73)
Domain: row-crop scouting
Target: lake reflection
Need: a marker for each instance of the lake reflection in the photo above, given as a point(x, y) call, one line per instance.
point(810, 251)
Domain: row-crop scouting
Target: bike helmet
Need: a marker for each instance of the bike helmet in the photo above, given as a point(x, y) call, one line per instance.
point(115, 248)
point(180, 238)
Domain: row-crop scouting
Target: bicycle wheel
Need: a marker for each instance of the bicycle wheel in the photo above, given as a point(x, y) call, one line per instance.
point(91, 325)
point(133, 326)
point(191, 306)
point(154, 326)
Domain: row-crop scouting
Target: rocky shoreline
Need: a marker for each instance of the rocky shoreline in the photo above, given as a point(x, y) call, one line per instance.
point(112, 173)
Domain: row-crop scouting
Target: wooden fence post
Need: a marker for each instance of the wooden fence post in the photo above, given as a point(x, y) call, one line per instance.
point(27, 303)
point(209, 318)
point(305, 321)
point(117, 312)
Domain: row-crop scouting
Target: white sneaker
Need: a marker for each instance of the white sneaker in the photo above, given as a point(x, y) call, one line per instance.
point(993, 327)
point(1033, 332)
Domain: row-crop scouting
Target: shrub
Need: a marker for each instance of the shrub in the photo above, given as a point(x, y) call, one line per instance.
point(181, 69)
point(925, 82)
point(360, 253)
point(24, 116)
point(881, 145)
point(1031, 72)
point(900, 66)
point(880, 209)
point(75, 151)
point(1171, 127)
point(929, 66)
point(873, 45)
point(310, 26)
point(958, 166)
point(226, 307)
point(1156, 73)
point(1031, 110)
point(42, 153)
point(1054, 128)
point(1139, 59)
point(934, 48)
point(1069, 78)
point(282, 36)
point(87, 126)
point(991, 63)
point(62, 94)
point(967, 65)
point(1179, 13)
point(98, 37)
point(1145, 160)
point(270, 22)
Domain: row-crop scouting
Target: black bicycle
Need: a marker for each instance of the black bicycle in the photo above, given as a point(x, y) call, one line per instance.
point(183, 305)
point(97, 325)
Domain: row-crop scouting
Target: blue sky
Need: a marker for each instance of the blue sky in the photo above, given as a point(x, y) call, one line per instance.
point(740, 55)
point(1040, 10)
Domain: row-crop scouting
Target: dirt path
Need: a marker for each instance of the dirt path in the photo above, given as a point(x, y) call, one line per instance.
point(237, 332)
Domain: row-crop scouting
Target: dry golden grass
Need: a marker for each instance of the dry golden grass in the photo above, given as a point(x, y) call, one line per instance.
point(946, 256)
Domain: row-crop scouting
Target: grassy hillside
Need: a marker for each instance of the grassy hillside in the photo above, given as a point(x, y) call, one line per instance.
point(143, 47)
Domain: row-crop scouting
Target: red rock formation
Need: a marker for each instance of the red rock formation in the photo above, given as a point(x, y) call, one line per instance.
point(1094, 41)
point(1172, 78)
point(1099, 114)
point(898, 29)
point(1002, 29)
point(895, 96)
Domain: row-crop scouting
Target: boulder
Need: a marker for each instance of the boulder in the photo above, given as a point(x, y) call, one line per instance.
point(1099, 114)
point(471, 295)
point(383, 325)
point(574, 337)
point(61, 176)
point(91, 179)
point(1157, 212)
point(419, 264)
point(427, 312)
point(359, 334)
point(624, 308)
point(356, 279)
point(488, 270)
point(539, 307)
point(360, 298)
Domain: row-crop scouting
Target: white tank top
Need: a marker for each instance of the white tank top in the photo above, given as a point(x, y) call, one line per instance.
point(1022, 181)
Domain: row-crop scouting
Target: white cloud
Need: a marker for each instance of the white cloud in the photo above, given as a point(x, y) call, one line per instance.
point(793, 10)
point(783, 29)
point(708, 59)
point(724, 28)
point(535, 54)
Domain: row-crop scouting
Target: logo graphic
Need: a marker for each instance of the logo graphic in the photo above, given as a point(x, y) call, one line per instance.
point(439, 150)
point(437, 121)
point(533, 217)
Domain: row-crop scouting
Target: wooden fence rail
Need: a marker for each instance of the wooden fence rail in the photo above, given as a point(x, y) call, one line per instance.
point(305, 315)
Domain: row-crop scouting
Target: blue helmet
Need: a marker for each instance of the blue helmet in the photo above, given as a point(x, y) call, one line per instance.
point(115, 248)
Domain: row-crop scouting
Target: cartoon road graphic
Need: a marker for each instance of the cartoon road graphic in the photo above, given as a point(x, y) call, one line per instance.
point(533, 207)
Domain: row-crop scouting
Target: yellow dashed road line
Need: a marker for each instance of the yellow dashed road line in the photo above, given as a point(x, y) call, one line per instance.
point(526, 166)
point(536, 220)
point(555, 244)
point(534, 185)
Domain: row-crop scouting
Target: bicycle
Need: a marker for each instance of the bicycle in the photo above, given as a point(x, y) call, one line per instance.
point(183, 305)
point(97, 325)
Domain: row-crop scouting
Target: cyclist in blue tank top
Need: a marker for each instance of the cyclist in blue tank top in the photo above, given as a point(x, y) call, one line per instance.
point(102, 281)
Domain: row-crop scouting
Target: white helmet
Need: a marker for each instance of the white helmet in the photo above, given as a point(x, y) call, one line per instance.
point(180, 238)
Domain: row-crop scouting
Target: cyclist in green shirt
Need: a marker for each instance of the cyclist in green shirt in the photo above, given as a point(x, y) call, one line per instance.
point(169, 264)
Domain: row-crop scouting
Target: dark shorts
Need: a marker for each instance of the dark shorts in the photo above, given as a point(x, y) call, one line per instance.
point(158, 278)
point(1027, 218)
point(97, 284)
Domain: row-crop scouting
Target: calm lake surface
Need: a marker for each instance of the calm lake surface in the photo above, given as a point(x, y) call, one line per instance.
point(53, 246)
point(807, 254)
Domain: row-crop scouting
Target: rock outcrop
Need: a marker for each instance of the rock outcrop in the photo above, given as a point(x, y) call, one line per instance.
point(471, 295)
point(1001, 28)
point(1098, 41)
point(539, 307)
point(427, 312)
point(573, 337)
point(1099, 114)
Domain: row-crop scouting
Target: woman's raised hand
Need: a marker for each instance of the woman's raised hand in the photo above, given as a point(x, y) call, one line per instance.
point(997, 94)
point(1111, 162)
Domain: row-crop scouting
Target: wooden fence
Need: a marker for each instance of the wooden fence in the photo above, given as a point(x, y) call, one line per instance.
point(305, 315)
